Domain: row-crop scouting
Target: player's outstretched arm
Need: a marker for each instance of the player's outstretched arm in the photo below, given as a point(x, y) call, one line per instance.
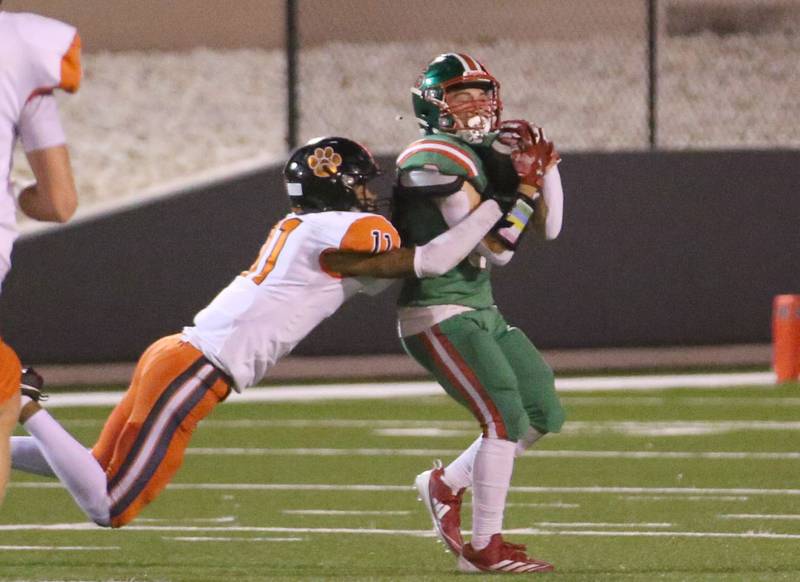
point(430, 260)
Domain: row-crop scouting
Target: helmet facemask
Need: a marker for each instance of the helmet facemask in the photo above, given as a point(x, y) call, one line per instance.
point(440, 109)
point(364, 199)
point(471, 108)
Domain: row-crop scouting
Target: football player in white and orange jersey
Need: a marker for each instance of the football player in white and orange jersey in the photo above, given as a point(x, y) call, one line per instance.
point(331, 246)
point(37, 56)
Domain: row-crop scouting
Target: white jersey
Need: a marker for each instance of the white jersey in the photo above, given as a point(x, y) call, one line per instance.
point(265, 312)
point(37, 55)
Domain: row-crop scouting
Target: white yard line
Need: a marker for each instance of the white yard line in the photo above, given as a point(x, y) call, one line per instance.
point(633, 400)
point(21, 548)
point(425, 453)
point(340, 512)
point(363, 487)
point(778, 516)
point(557, 505)
point(685, 497)
point(383, 390)
point(226, 519)
point(402, 532)
point(659, 534)
point(230, 539)
point(603, 524)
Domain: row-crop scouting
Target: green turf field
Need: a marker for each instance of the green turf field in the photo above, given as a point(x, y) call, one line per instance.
point(680, 484)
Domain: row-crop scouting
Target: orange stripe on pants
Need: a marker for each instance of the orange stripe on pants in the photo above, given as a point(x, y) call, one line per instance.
point(143, 441)
point(10, 372)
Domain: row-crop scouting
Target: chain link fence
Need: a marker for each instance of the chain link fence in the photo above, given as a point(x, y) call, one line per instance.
point(726, 71)
point(209, 86)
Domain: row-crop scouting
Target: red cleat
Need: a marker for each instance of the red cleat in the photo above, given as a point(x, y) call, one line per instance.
point(443, 505)
point(500, 557)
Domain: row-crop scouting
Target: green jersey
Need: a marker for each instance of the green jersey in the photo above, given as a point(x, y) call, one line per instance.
point(435, 166)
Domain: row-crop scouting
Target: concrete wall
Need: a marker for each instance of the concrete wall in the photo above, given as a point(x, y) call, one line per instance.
point(657, 249)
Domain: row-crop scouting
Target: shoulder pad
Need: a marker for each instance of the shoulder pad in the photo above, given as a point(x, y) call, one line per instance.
point(447, 155)
point(429, 182)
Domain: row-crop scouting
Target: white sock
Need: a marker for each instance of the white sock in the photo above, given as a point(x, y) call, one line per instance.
point(494, 464)
point(458, 474)
point(26, 456)
point(528, 440)
point(74, 465)
point(23, 400)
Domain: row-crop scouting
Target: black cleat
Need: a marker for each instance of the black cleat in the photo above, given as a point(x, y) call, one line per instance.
point(31, 385)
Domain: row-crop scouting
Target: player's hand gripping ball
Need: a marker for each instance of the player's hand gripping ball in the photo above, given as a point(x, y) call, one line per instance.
point(531, 153)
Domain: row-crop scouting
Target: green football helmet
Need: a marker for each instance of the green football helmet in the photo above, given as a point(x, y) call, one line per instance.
point(451, 71)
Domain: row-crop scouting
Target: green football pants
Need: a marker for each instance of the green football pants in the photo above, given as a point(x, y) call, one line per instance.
point(494, 370)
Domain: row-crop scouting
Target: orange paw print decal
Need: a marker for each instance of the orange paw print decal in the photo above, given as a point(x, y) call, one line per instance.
point(324, 162)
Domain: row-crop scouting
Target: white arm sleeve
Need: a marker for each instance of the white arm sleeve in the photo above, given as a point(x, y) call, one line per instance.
point(553, 195)
point(500, 259)
point(451, 247)
point(454, 208)
point(39, 124)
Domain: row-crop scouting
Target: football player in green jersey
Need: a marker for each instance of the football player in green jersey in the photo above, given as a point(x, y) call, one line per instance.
point(450, 323)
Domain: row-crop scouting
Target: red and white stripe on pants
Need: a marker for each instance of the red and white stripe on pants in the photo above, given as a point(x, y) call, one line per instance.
point(447, 358)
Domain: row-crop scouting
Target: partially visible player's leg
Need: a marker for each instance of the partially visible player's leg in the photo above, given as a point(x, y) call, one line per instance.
point(10, 370)
point(174, 388)
point(536, 386)
point(464, 356)
point(52, 446)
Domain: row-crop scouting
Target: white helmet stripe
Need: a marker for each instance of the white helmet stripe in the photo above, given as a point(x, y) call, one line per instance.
point(469, 64)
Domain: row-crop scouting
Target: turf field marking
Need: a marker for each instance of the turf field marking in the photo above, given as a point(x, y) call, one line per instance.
point(556, 505)
point(445, 428)
point(60, 548)
point(426, 533)
point(229, 539)
point(634, 400)
point(386, 390)
point(329, 452)
point(462, 427)
point(686, 497)
point(226, 519)
point(779, 516)
point(601, 524)
point(341, 512)
point(628, 428)
point(406, 488)
point(653, 534)
point(637, 400)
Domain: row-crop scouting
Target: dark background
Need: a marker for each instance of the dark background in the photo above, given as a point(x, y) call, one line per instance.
point(657, 249)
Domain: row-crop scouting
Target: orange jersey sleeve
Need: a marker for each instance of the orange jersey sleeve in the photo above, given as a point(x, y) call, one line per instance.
point(370, 234)
point(71, 66)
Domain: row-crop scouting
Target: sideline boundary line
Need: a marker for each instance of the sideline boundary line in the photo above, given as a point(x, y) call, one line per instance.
point(383, 390)
point(403, 532)
point(380, 488)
